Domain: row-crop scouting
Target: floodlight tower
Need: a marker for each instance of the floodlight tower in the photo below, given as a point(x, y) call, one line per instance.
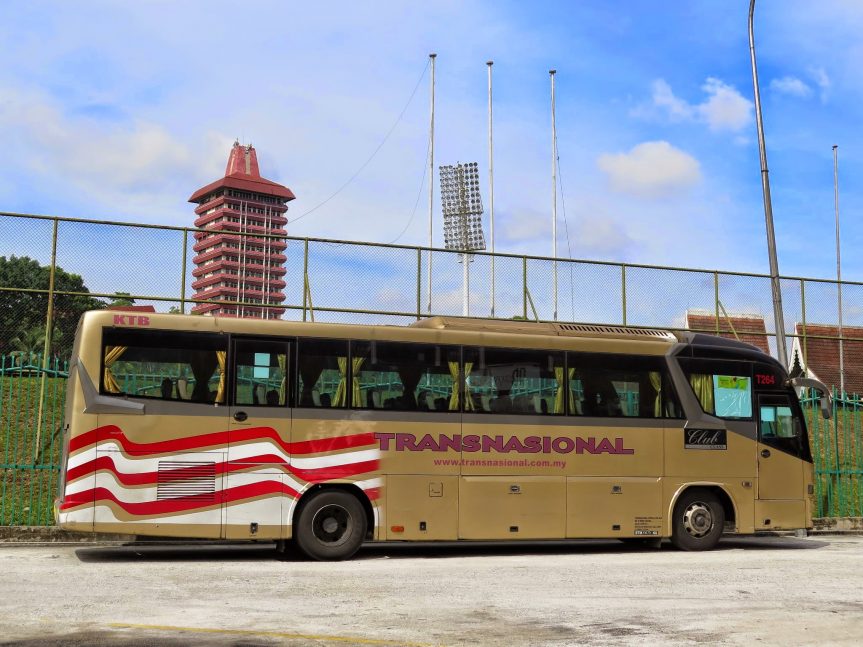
point(462, 218)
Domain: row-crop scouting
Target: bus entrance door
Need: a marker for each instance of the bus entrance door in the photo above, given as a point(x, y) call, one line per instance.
point(781, 487)
point(257, 474)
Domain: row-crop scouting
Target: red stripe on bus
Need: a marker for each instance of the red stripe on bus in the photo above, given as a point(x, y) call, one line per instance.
point(186, 504)
point(316, 475)
point(235, 436)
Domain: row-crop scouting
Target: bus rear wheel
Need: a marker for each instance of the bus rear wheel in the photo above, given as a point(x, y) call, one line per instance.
point(330, 526)
point(699, 519)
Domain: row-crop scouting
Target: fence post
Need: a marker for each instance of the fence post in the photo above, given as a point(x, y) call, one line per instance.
point(49, 325)
point(183, 275)
point(419, 282)
point(716, 299)
point(305, 275)
point(524, 285)
point(623, 289)
point(803, 323)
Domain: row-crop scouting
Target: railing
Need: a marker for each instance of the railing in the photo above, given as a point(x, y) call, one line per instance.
point(80, 264)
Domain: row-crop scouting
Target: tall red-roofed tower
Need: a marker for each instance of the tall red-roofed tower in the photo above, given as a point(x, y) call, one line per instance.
point(231, 267)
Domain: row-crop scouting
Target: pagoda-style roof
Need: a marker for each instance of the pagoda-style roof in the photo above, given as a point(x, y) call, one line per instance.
point(819, 356)
point(242, 173)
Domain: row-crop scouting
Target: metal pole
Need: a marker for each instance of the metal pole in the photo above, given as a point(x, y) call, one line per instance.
point(49, 327)
point(305, 276)
point(551, 73)
point(768, 207)
point(465, 290)
point(491, 182)
point(623, 291)
point(183, 278)
point(431, 183)
point(419, 283)
point(838, 266)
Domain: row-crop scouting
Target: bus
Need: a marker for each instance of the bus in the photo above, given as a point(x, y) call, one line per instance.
point(321, 436)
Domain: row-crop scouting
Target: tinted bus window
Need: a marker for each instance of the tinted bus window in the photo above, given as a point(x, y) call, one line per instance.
point(163, 364)
point(514, 381)
point(322, 373)
point(260, 372)
point(723, 388)
point(620, 386)
point(405, 377)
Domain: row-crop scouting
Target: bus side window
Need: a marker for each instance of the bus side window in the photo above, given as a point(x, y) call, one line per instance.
point(164, 365)
point(322, 370)
point(620, 386)
point(402, 376)
point(723, 387)
point(260, 372)
point(522, 382)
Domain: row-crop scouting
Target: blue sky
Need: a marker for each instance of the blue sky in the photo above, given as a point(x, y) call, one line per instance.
point(121, 110)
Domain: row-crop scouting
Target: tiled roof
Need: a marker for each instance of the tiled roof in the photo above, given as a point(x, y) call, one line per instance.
point(750, 329)
point(822, 355)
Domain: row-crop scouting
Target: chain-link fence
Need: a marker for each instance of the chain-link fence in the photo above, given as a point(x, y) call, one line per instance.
point(52, 269)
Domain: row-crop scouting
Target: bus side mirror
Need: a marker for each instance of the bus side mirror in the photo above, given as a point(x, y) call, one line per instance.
point(826, 400)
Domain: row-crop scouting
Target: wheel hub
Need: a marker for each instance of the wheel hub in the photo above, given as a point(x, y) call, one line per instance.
point(698, 519)
point(331, 525)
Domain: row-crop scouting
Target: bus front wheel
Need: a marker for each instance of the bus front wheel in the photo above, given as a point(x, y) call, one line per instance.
point(330, 525)
point(699, 519)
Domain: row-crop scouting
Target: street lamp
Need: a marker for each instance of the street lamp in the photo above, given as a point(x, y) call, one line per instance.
point(461, 203)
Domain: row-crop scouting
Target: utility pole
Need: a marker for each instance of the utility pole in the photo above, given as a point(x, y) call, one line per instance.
point(779, 320)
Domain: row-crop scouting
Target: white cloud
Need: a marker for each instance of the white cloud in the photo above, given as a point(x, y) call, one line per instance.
point(791, 85)
point(822, 81)
point(651, 169)
point(113, 163)
point(724, 109)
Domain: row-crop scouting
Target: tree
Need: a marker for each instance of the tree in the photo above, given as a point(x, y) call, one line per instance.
point(23, 311)
point(121, 299)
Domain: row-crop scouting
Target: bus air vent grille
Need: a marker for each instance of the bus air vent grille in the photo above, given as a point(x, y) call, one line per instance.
point(591, 330)
point(186, 480)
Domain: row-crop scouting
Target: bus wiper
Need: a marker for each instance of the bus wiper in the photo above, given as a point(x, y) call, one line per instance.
point(825, 399)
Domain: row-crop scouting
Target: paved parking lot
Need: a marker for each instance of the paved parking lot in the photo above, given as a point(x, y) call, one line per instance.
point(771, 590)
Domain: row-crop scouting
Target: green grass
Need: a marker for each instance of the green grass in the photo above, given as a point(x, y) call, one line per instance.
point(29, 472)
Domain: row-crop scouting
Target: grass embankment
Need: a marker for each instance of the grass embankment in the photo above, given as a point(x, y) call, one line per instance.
point(837, 451)
point(29, 470)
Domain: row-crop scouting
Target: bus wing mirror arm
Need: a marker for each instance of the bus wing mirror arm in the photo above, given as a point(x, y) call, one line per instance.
point(826, 399)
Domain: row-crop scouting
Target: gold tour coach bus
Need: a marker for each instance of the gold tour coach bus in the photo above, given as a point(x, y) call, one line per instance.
point(327, 435)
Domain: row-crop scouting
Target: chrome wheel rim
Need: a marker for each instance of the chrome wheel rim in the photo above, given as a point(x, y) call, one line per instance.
point(698, 519)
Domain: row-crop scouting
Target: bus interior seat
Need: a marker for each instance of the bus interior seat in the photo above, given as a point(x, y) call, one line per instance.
point(316, 398)
point(485, 400)
point(259, 394)
point(441, 404)
point(324, 400)
point(183, 389)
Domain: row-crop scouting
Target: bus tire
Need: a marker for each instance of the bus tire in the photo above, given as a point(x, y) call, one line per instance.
point(330, 526)
point(698, 520)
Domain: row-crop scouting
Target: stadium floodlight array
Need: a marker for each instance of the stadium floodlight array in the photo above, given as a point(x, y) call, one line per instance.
point(462, 207)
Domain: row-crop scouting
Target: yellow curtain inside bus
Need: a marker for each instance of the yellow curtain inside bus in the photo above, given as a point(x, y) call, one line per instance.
point(112, 354)
point(561, 385)
point(656, 383)
point(703, 386)
point(468, 397)
point(356, 364)
point(220, 361)
point(340, 399)
point(453, 399)
point(282, 359)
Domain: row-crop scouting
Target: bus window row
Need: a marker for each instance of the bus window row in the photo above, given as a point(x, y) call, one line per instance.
point(379, 375)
